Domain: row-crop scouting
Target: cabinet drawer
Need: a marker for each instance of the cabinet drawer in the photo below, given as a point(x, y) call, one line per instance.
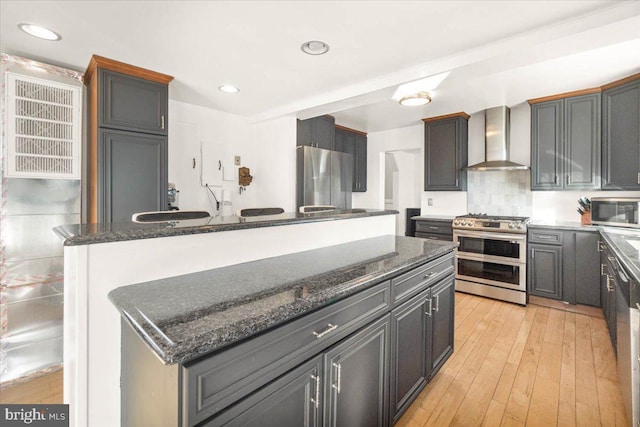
point(213, 383)
point(420, 278)
point(548, 237)
point(433, 236)
point(434, 227)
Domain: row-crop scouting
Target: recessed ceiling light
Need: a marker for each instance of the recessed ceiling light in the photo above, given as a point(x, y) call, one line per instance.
point(420, 98)
point(228, 89)
point(315, 47)
point(40, 32)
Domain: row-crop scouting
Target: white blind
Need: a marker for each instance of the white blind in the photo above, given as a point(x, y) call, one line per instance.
point(44, 121)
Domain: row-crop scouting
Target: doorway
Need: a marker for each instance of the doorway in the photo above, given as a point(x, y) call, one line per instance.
point(402, 178)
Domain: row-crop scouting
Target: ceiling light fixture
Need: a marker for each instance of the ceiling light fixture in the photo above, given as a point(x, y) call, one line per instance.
point(228, 89)
point(315, 47)
point(40, 32)
point(417, 99)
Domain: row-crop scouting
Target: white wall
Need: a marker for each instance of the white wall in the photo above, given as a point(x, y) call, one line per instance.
point(267, 149)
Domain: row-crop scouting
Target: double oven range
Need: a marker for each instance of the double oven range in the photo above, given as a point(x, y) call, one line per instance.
point(491, 259)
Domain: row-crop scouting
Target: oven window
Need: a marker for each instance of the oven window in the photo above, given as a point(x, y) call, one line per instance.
point(489, 271)
point(484, 246)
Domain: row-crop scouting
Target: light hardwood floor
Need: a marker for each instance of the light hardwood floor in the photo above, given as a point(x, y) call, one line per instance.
point(516, 366)
point(45, 389)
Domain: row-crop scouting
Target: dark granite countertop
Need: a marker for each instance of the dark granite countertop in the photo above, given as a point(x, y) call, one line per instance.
point(188, 316)
point(563, 225)
point(441, 218)
point(86, 234)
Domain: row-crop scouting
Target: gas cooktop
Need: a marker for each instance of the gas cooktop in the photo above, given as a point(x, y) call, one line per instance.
point(480, 221)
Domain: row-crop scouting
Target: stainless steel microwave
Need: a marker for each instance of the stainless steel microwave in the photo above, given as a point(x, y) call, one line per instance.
point(620, 212)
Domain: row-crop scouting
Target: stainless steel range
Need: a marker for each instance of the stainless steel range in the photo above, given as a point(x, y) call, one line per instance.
point(492, 256)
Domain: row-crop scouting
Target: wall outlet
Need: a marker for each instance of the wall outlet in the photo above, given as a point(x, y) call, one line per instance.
point(236, 161)
point(429, 201)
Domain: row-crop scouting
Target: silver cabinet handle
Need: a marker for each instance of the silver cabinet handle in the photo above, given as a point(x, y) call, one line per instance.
point(428, 312)
point(429, 274)
point(609, 287)
point(433, 228)
point(316, 400)
point(638, 178)
point(338, 366)
point(567, 179)
point(437, 307)
point(219, 165)
point(162, 122)
point(330, 328)
point(602, 269)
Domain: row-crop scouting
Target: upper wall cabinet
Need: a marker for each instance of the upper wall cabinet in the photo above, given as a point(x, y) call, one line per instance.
point(355, 143)
point(621, 135)
point(445, 152)
point(127, 148)
point(317, 132)
point(132, 103)
point(565, 141)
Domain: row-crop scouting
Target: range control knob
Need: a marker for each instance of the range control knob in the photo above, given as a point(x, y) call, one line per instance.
point(520, 226)
point(470, 223)
point(511, 225)
point(456, 222)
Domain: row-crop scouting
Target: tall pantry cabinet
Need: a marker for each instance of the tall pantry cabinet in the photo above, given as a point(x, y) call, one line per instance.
point(126, 157)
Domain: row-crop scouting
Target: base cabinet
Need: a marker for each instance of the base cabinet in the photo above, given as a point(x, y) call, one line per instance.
point(422, 341)
point(545, 271)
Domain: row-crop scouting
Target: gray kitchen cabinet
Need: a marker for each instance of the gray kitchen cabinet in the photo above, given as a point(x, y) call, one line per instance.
point(356, 378)
point(544, 268)
point(354, 143)
point(125, 167)
point(422, 341)
point(621, 137)
point(434, 230)
point(446, 153)
point(564, 265)
point(410, 333)
point(442, 324)
point(132, 103)
point(565, 143)
point(292, 400)
point(317, 132)
point(132, 172)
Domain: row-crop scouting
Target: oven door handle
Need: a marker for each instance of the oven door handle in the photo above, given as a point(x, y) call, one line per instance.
point(490, 258)
point(487, 235)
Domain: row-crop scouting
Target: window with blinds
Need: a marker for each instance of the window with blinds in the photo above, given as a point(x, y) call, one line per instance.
point(44, 121)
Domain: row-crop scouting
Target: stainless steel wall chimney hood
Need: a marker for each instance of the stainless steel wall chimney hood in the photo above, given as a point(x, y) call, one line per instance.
point(496, 142)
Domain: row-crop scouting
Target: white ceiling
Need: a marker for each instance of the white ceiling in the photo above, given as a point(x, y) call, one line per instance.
point(496, 52)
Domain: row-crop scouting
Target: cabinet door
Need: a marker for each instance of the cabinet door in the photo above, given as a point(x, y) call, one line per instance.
point(356, 379)
point(621, 137)
point(132, 170)
point(587, 269)
point(323, 132)
point(360, 166)
point(582, 142)
point(410, 335)
point(131, 103)
point(546, 145)
point(292, 400)
point(442, 317)
point(303, 132)
point(445, 155)
point(545, 271)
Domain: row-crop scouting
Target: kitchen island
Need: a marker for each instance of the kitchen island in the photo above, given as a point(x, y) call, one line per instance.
point(235, 332)
point(99, 258)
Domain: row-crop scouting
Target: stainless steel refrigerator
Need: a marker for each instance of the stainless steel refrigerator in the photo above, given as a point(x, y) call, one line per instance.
point(324, 177)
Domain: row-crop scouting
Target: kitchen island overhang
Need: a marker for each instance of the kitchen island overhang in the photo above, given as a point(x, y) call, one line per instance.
point(100, 258)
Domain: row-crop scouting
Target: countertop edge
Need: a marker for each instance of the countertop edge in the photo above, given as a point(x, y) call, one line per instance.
point(71, 239)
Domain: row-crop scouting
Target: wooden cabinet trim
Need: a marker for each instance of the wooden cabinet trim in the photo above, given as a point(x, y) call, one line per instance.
point(447, 116)
point(621, 82)
point(121, 67)
point(565, 95)
point(344, 128)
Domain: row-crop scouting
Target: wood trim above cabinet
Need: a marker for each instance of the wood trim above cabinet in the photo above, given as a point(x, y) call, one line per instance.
point(359, 132)
point(91, 181)
point(564, 95)
point(121, 67)
point(447, 116)
point(621, 82)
